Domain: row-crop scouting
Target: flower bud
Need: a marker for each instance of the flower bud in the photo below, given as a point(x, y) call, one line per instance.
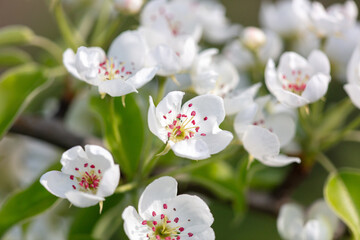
point(253, 38)
point(129, 6)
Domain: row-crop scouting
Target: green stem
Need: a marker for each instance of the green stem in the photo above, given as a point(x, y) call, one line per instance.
point(102, 20)
point(151, 163)
point(107, 35)
point(126, 187)
point(124, 160)
point(71, 37)
point(55, 72)
point(326, 163)
point(48, 46)
point(161, 88)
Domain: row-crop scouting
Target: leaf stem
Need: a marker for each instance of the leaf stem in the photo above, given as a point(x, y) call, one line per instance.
point(326, 163)
point(48, 46)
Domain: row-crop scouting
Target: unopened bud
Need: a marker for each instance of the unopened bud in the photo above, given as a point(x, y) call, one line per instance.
point(129, 6)
point(253, 38)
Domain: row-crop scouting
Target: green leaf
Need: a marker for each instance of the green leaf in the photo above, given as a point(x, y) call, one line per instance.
point(24, 204)
point(342, 193)
point(15, 35)
point(12, 56)
point(17, 87)
point(123, 129)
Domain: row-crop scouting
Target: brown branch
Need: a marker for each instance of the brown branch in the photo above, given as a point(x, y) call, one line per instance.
point(50, 130)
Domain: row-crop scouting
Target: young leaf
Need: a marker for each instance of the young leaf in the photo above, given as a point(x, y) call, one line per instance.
point(342, 193)
point(17, 87)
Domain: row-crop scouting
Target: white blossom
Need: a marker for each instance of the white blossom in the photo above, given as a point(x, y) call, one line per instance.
point(318, 223)
point(352, 88)
point(263, 133)
point(192, 131)
point(243, 57)
point(86, 178)
point(129, 6)
point(298, 81)
point(119, 73)
point(165, 216)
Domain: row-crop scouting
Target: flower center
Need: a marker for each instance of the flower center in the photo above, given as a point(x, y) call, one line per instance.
point(88, 179)
point(161, 227)
point(110, 69)
point(295, 83)
point(183, 126)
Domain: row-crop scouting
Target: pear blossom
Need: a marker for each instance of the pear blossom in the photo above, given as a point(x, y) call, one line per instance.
point(298, 81)
point(241, 52)
point(263, 133)
point(129, 6)
point(119, 73)
point(319, 222)
point(164, 215)
point(352, 88)
point(331, 21)
point(282, 17)
point(213, 74)
point(171, 19)
point(191, 131)
point(86, 178)
point(217, 28)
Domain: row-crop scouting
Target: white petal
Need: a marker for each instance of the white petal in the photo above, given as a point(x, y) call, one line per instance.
point(320, 210)
point(81, 199)
point(57, 183)
point(172, 101)
point(316, 87)
point(353, 72)
point(153, 123)
point(317, 230)
point(206, 106)
point(132, 224)
point(129, 47)
point(109, 181)
point(116, 87)
point(290, 61)
point(353, 91)
point(72, 159)
point(279, 160)
point(283, 126)
point(69, 62)
point(260, 142)
point(162, 189)
point(240, 101)
point(195, 149)
point(217, 142)
point(290, 221)
point(245, 118)
point(271, 80)
point(99, 156)
point(142, 77)
point(319, 61)
point(166, 59)
point(191, 208)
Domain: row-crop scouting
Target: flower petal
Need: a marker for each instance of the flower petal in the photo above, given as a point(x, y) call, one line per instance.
point(132, 224)
point(206, 106)
point(171, 102)
point(218, 141)
point(241, 100)
point(353, 91)
point(245, 118)
point(316, 87)
point(116, 87)
point(279, 160)
point(283, 126)
point(81, 199)
point(166, 59)
point(352, 71)
point(290, 220)
point(129, 47)
point(317, 229)
point(72, 159)
point(153, 123)
point(109, 181)
point(319, 61)
point(161, 189)
point(142, 77)
point(99, 156)
point(69, 62)
point(260, 142)
point(195, 149)
point(57, 183)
